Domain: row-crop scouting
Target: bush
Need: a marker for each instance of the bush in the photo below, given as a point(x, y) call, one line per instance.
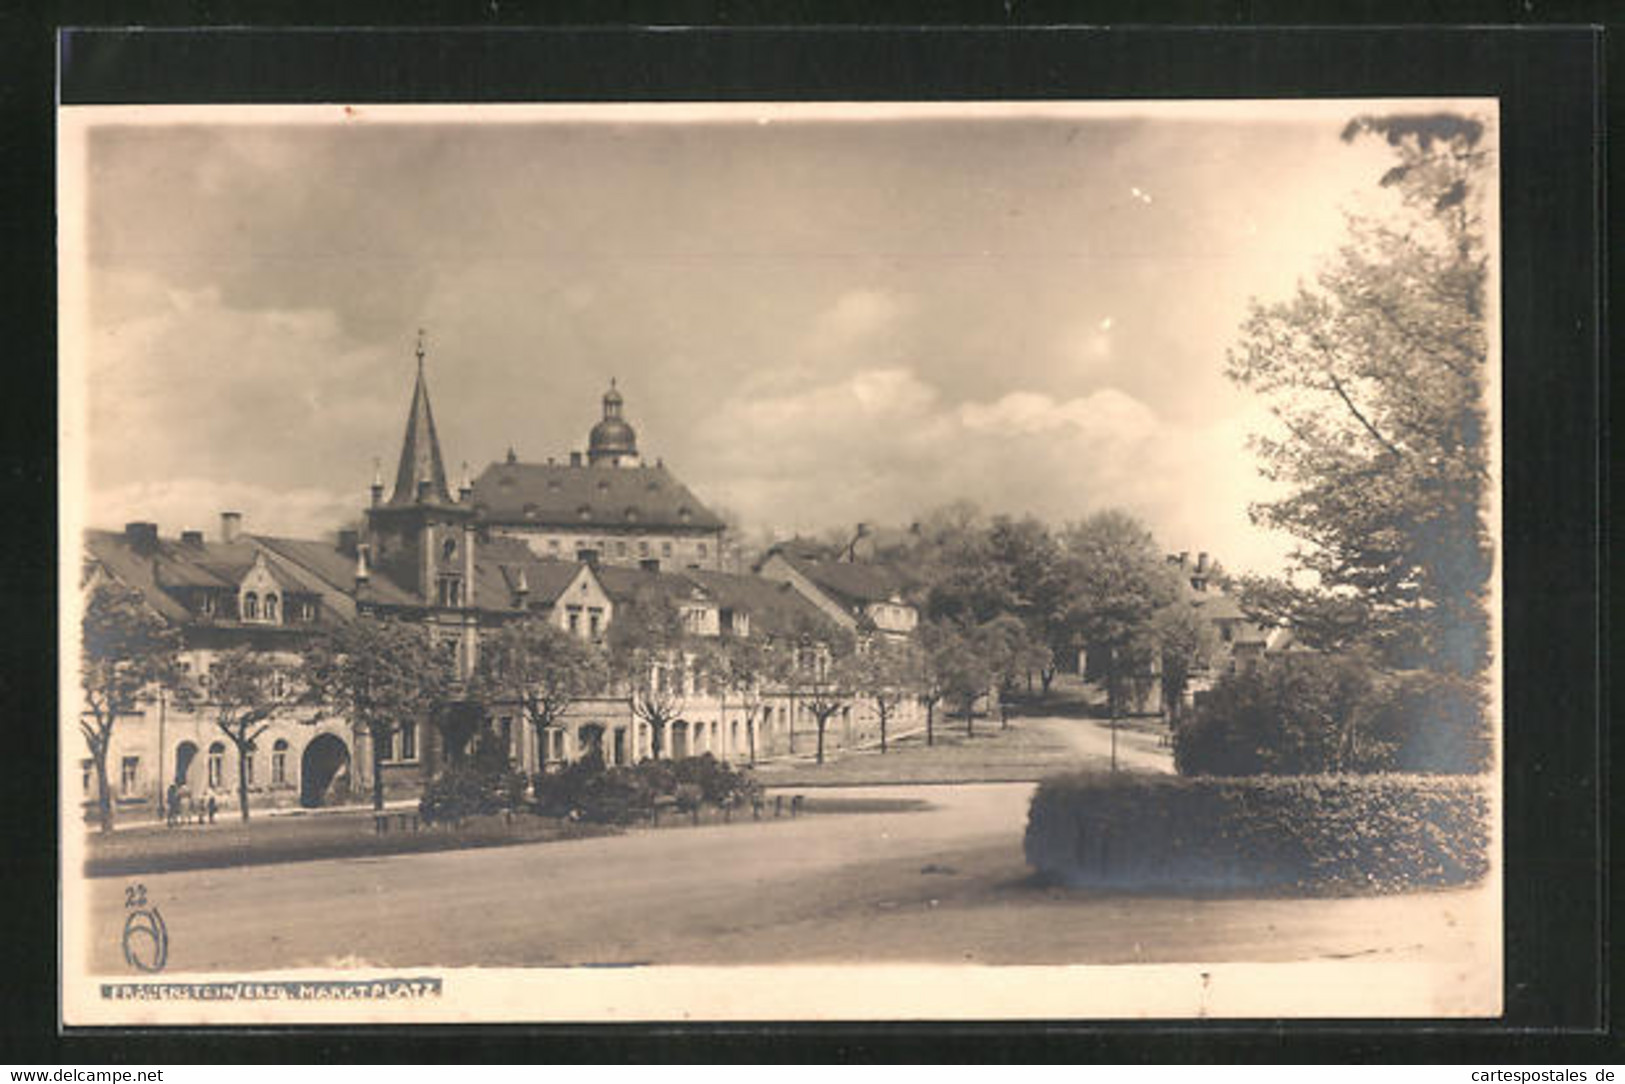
point(482, 783)
point(589, 790)
point(1310, 714)
point(1382, 833)
point(1426, 722)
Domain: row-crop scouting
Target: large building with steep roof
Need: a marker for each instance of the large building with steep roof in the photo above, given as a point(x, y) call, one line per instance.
point(611, 508)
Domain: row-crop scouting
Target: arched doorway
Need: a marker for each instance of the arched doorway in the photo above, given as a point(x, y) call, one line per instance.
point(185, 753)
point(324, 771)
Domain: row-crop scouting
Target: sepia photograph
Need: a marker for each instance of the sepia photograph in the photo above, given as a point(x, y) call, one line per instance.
point(741, 561)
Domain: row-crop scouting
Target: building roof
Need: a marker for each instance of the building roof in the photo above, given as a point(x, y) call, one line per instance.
point(165, 565)
point(775, 608)
point(335, 570)
point(850, 583)
point(595, 498)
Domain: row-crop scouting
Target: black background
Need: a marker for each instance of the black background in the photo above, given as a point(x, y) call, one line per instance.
point(1549, 80)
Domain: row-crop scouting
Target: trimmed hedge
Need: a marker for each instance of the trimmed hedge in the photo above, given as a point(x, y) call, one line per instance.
point(1373, 833)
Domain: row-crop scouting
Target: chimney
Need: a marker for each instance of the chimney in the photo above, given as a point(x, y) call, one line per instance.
point(231, 526)
point(377, 482)
point(142, 536)
point(348, 540)
point(1201, 562)
point(192, 538)
point(361, 573)
point(575, 459)
point(1184, 557)
point(465, 488)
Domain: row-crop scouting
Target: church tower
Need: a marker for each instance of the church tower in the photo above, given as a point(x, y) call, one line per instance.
point(421, 537)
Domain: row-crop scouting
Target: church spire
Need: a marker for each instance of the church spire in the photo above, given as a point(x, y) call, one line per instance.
point(421, 476)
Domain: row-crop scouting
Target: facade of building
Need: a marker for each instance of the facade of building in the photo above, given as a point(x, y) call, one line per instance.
point(463, 564)
point(613, 508)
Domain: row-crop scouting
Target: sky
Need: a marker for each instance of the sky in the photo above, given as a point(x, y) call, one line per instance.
point(816, 317)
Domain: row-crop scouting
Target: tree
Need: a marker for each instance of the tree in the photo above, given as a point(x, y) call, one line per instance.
point(543, 669)
point(127, 650)
point(249, 689)
point(820, 673)
point(381, 674)
point(743, 665)
point(1185, 643)
point(649, 652)
point(929, 683)
point(1376, 372)
point(884, 673)
point(1117, 580)
point(962, 664)
point(1032, 559)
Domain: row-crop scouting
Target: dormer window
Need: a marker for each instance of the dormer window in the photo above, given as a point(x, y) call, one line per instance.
point(251, 607)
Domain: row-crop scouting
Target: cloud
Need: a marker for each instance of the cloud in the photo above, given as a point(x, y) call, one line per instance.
point(177, 504)
point(190, 387)
point(885, 446)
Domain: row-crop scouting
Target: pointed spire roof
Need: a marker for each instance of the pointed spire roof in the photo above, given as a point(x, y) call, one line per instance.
point(420, 449)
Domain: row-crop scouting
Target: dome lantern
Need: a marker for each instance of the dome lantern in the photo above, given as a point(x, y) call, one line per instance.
point(612, 441)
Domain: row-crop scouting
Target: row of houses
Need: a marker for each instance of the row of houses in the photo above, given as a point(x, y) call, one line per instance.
point(613, 530)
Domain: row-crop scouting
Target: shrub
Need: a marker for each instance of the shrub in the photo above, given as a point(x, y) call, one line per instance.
point(1281, 718)
point(482, 783)
point(1326, 713)
point(1427, 722)
point(589, 790)
point(1379, 833)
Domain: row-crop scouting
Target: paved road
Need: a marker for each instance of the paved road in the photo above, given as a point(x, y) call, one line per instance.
point(943, 885)
point(1092, 741)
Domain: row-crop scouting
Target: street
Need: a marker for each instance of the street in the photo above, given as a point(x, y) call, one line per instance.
point(944, 884)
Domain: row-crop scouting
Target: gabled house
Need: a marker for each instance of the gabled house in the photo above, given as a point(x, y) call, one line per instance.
point(859, 597)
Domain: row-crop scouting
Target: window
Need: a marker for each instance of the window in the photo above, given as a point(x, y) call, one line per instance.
point(449, 591)
point(206, 607)
point(620, 549)
point(409, 741)
point(270, 607)
point(574, 613)
point(595, 621)
point(129, 775)
point(702, 549)
point(248, 767)
point(505, 730)
point(217, 765)
point(665, 549)
point(84, 775)
point(279, 762)
point(251, 607)
point(307, 611)
point(553, 545)
point(643, 549)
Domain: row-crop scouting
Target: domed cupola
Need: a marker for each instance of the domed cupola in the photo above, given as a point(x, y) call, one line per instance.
point(612, 441)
